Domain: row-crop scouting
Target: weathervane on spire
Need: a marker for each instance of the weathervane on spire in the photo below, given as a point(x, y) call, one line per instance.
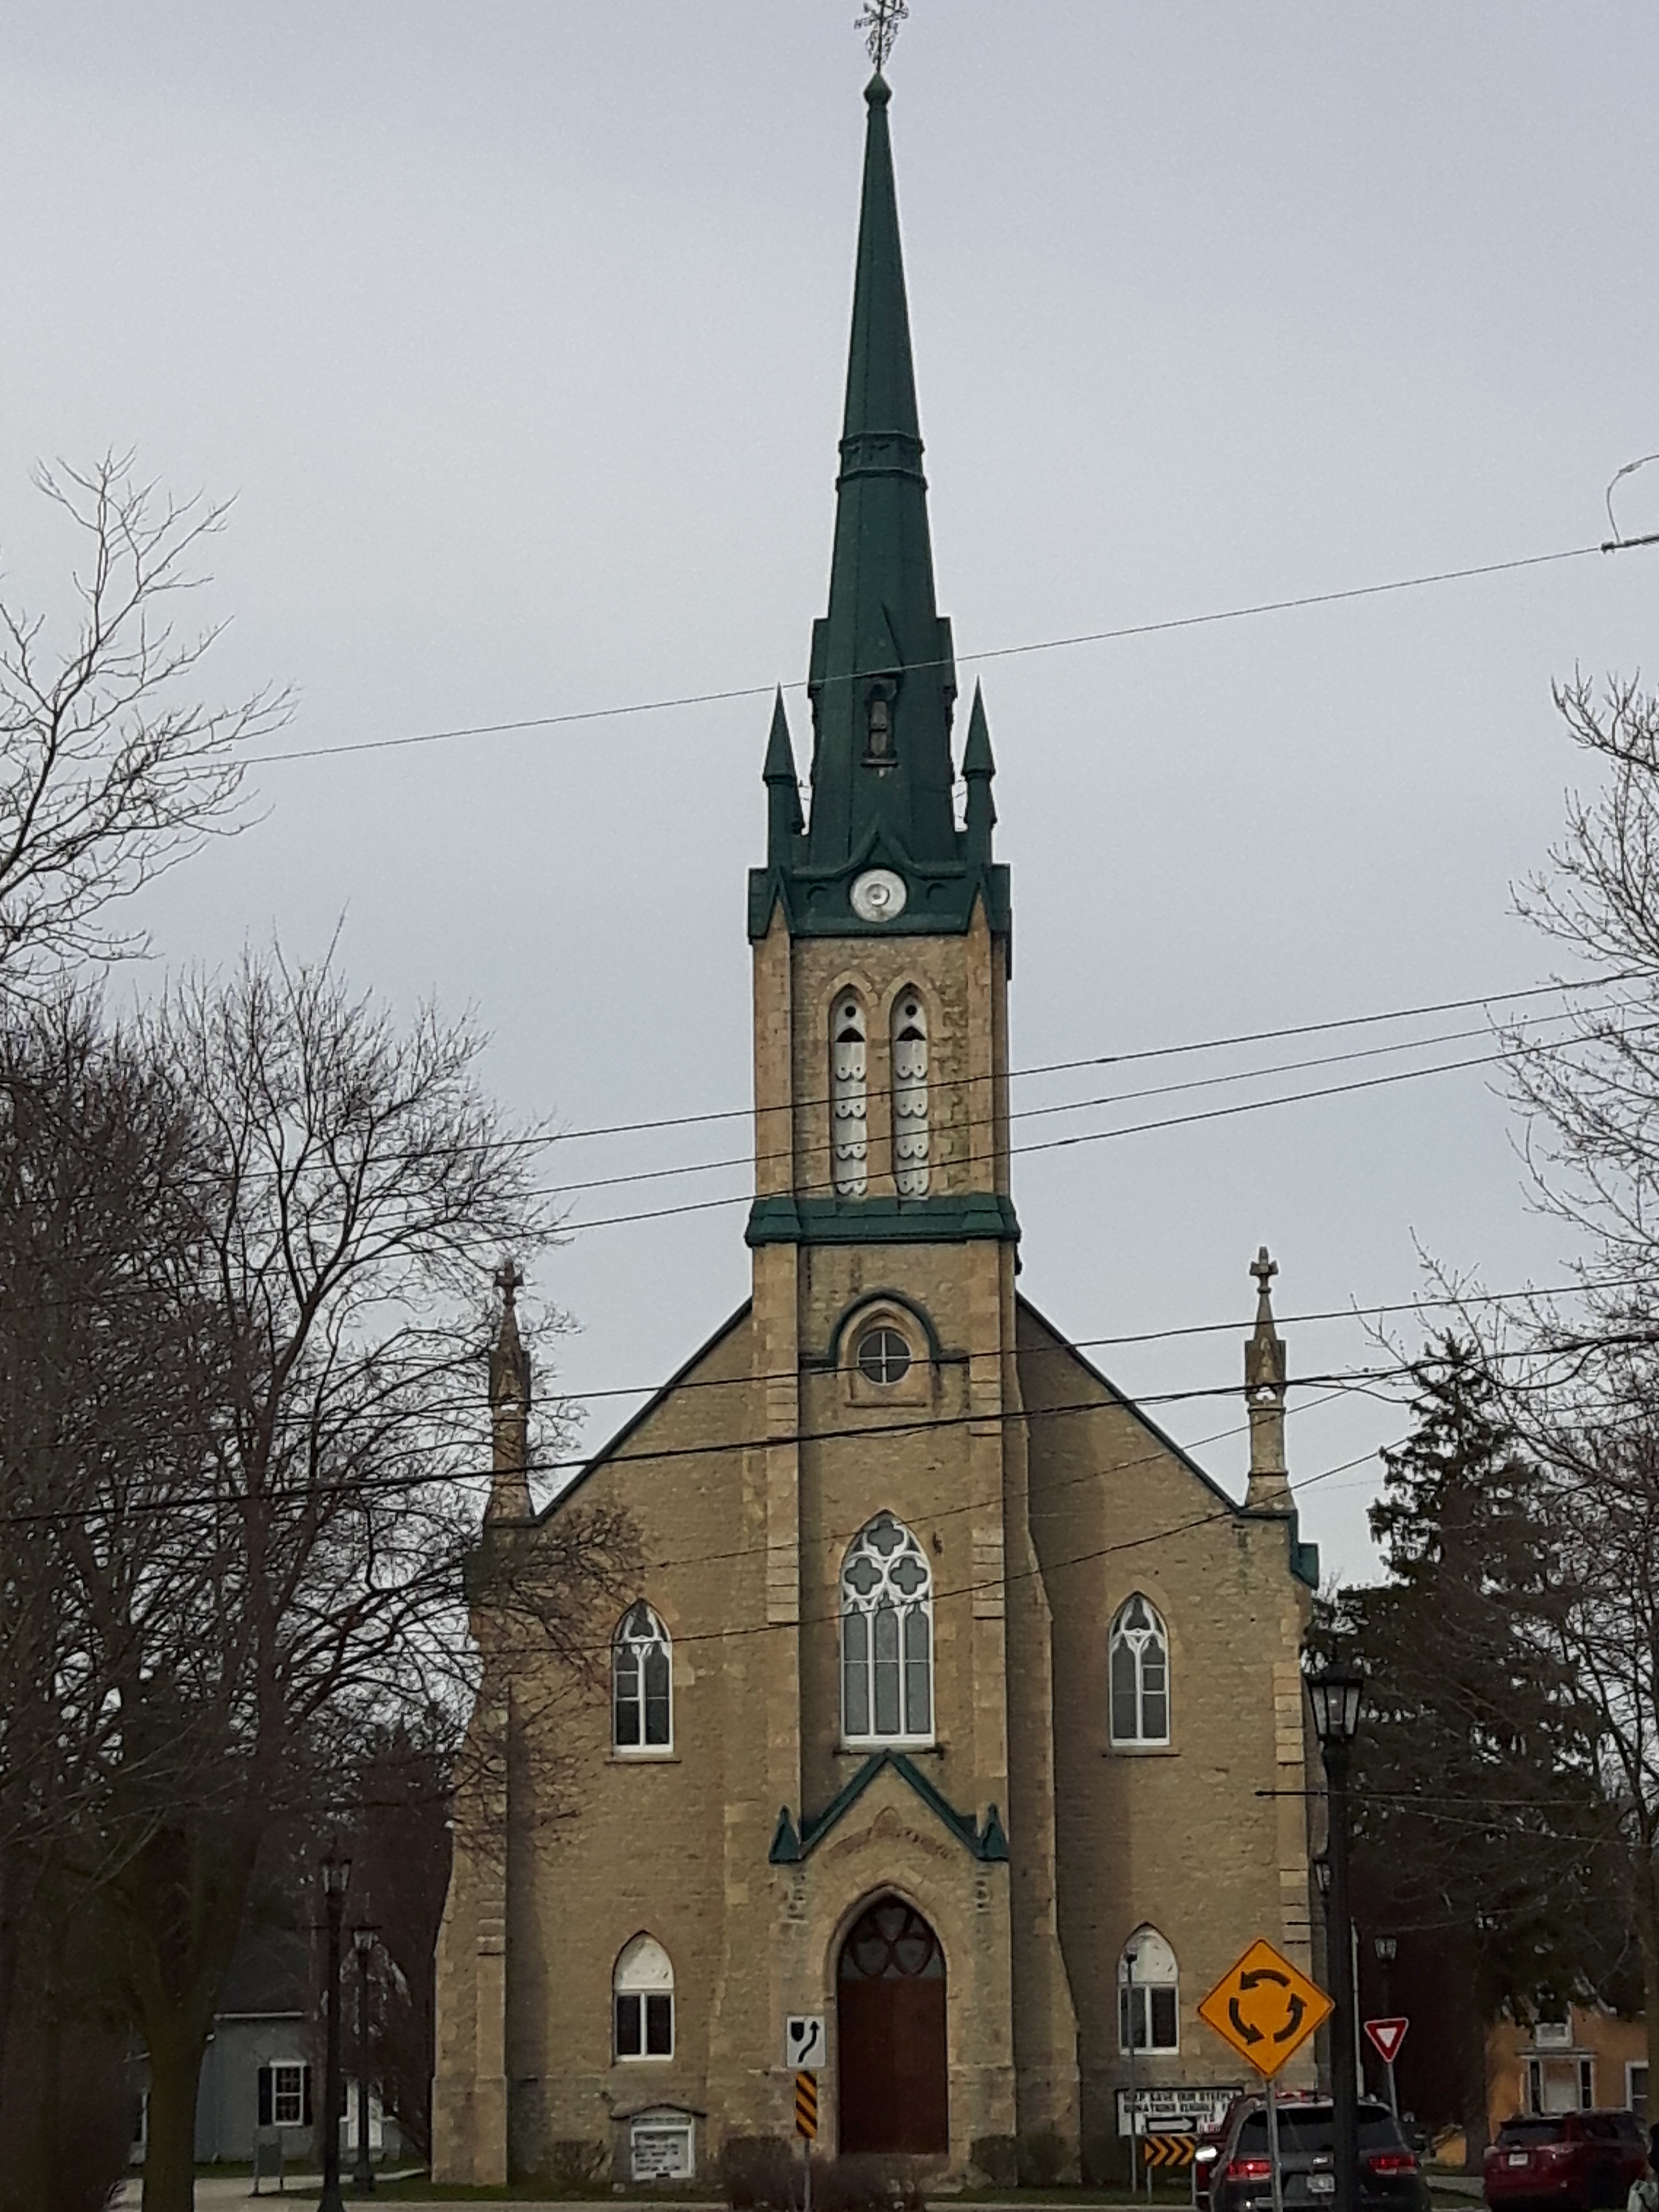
point(880, 24)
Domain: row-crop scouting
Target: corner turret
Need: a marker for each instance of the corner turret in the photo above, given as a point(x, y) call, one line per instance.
point(510, 1409)
point(1265, 1370)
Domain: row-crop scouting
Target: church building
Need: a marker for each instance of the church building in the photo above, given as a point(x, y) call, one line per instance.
point(956, 1708)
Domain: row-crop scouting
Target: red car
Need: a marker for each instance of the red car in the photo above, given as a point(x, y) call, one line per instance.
point(1579, 2161)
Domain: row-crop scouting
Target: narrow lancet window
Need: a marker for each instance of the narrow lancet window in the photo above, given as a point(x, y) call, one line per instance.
point(910, 1096)
point(886, 1637)
point(849, 1102)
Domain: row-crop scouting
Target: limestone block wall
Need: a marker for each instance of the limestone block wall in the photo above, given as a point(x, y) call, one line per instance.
point(1189, 1836)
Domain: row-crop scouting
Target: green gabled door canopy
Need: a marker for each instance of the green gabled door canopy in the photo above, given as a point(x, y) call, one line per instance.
point(882, 681)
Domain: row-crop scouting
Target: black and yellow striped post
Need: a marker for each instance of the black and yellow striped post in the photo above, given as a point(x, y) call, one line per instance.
point(806, 2106)
point(806, 2127)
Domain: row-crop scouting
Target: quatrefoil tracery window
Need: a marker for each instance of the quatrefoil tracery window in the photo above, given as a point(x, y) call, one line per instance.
point(886, 1637)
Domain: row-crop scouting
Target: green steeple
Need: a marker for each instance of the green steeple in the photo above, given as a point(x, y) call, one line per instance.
point(883, 677)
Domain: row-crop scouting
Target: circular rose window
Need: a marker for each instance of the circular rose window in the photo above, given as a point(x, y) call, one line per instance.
point(884, 1355)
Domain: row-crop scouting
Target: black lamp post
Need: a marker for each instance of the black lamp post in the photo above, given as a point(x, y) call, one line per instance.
point(336, 1873)
point(1334, 1694)
point(362, 2173)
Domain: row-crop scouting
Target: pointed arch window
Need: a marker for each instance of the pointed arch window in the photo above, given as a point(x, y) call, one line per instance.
point(910, 1164)
point(886, 1637)
point(642, 2000)
point(1139, 1662)
point(849, 1100)
point(642, 1683)
point(1148, 1994)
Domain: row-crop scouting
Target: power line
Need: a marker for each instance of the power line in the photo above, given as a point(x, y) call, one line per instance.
point(992, 653)
point(1115, 1059)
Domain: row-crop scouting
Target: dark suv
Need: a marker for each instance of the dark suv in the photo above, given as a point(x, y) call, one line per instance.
point(1241, 2174)
point(1575, 2160)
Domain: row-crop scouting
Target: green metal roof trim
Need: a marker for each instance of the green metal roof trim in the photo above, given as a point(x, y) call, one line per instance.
point(783, 1218)
point(882, 678)
point(790, 1845)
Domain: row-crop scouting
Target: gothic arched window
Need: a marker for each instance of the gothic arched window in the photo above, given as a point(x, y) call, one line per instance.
point(886, 1637)
point(910, 1094)
point(849, 1105)
point(641, 1694)
point(1139, 1662)
point(642, 2000)
point(1148, 1994)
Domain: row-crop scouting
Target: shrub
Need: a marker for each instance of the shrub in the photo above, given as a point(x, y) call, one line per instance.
point(575, 2163)
point(1042, 2158)
point(759, 2170)
point(873, 2181)
point(997, 2158)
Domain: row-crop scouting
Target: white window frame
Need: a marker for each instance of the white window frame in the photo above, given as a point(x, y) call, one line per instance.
point(1138, 1642)
point(912, 1168)
point(1534, 2085)
point(1586, 2085)
point(864, 1615)
point(298, 2068)
point(1146, 1949)
point(1632, 2067)
point(638, 1643)
point(644, 1972)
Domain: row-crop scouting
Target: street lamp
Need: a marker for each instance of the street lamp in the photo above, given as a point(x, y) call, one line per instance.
point(363, 1942)
point(336, 1873)
point(1334, 1693)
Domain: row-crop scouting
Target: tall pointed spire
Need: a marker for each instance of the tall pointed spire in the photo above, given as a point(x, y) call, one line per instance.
point(882, 678)
point(509, 1408)
point(1264, 1392)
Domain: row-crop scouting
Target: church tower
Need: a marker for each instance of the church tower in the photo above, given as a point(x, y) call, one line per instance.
point(882, 1233)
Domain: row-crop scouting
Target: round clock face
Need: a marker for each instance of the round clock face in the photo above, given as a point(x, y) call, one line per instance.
point(878, 896)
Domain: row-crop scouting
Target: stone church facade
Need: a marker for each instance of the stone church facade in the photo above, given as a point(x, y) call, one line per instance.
point(956, 1703)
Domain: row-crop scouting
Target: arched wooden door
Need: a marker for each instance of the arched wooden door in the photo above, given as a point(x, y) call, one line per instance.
point(890, 2014)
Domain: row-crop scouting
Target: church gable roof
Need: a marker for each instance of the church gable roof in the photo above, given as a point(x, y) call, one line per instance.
point(1304, 1558)
point(790, 1843)
point(612, 1449)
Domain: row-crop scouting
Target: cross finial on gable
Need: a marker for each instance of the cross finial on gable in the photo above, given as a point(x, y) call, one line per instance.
point(509, 1277)
point(1264, 1269)
point(880, 22)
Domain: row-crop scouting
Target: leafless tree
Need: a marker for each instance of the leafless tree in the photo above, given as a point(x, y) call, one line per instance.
point(280, 1570)
point(111, 768)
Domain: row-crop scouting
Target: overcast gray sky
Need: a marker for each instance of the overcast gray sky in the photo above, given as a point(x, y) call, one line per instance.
point(519, 332)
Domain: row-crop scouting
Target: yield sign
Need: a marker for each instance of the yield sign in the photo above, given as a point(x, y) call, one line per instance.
point(1388, 2035)
point(1265, 2007)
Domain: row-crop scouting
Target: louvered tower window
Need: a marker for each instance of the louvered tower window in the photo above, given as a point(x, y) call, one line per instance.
point(849, 1136)
point(910, 1096)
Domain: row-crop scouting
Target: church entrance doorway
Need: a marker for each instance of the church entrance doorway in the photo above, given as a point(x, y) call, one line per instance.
point(890, 2018)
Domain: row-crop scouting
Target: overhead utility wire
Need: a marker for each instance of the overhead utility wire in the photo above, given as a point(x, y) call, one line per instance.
point(990, 653)
point(1131, 1129)
point(1101, 1059)
point(1046, 1113)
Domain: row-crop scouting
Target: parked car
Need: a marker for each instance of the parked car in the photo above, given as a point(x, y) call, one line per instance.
point(1240, 2172)
point(1579, 2161)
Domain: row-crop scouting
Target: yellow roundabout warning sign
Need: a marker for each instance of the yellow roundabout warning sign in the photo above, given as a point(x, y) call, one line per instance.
point(1265, 2007)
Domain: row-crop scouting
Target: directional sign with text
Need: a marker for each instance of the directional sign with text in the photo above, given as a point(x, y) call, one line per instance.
point(804, 2042)
point(1388, 2035)
point(1265, 2007)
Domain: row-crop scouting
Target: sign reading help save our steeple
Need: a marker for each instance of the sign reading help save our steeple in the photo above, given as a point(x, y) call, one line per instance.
point(878, 848)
